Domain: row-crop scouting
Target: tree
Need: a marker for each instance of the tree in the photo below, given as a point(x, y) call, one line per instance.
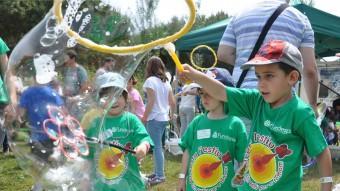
point(20, 16)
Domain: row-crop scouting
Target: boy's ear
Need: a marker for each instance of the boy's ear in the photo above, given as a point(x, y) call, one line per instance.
point(293, 77)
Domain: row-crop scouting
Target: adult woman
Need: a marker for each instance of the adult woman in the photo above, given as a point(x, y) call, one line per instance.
point(156, 116)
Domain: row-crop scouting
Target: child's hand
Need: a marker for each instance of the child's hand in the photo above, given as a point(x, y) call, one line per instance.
point(181, 184)
point(141, 150)
point(188, 74)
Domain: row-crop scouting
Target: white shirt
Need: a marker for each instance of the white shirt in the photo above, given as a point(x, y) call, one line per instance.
point(160, 109)
point(188, 101)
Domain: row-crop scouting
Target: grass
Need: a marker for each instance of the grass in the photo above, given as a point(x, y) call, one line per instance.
point(13, 178)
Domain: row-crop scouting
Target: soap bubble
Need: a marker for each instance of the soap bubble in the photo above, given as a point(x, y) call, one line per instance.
point(57, 63)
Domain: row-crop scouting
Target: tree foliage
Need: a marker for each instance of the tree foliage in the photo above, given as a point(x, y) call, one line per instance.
point(19, 16)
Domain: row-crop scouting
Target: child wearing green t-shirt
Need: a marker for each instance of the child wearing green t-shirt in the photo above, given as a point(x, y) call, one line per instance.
point(282, 124)
point(115, 169)
point(211, 143)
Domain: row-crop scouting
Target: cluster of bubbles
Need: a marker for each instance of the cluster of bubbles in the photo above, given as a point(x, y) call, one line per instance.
point(52, 147)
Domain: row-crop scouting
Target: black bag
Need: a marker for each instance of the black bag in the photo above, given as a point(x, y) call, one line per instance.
point(259, 41)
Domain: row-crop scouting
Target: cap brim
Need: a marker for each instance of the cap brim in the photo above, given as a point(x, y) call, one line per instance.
point(112, 84)
point(195, 85)
point(258, 61)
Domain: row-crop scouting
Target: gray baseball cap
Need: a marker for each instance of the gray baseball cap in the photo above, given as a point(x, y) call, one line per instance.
point(110, 79)
point(277, 51)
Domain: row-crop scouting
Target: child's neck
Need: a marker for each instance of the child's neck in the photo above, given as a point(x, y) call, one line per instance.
point(282, 100)
point(216, 113)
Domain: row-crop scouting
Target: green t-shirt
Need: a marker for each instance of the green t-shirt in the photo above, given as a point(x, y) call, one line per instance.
point(108, 174)
point(277, 139)
point(3, 91)
point(213, 144)
point(3, 47)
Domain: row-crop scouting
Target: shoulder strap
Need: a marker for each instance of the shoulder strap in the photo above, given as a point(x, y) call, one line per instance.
point(259, 41)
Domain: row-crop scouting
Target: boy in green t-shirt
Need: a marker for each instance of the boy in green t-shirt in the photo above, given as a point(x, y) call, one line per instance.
point(282, 124)
point(115, 169)
point(211, 143)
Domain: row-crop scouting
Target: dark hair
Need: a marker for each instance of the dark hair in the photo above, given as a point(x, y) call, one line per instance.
point(72, 54)
point(156, 67)
point(109, 59)
point(134, 81)
point(336, 103)
point(287, 69)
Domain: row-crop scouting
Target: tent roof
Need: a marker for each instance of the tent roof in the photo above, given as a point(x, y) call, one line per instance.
point(326, 31)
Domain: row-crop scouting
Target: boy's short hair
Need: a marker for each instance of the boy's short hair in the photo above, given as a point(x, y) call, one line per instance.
point(277, 51)
point(72, 54)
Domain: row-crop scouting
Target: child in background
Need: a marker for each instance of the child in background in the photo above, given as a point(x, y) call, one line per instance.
point(282, 123)
point(116, 169)
point(135, 101)
point(211, 143)
point(187, 106)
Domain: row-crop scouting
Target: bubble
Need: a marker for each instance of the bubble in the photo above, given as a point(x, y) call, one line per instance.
point(57, 62)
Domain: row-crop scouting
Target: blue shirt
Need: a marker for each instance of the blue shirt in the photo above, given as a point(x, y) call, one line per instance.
point(244, 29)
point(35, 100)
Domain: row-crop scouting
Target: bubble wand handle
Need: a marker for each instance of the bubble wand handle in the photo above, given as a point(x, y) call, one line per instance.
point(111, 144)
point(170, 47)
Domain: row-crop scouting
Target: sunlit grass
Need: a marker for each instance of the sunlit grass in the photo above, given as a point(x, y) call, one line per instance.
point(13, 178)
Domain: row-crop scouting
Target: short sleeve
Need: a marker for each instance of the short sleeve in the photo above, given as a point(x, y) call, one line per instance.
point(82, 75)
point(311, 133)
point(140, 133)
point(189, 135)
point(134, 95)
point(3, 47)
point(308, 35)
point(242, 141)
point(229, 37)
point(241, 102)
point(149, 83)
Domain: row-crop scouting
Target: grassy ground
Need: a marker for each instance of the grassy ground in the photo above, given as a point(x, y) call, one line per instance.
point(13, 178)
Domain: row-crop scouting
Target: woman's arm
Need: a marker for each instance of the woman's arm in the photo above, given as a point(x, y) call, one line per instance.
point(151, 101)
point(172, 104)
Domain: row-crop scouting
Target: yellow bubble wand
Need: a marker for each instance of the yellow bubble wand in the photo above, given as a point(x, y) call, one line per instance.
point(210, 49)
point(57, 9)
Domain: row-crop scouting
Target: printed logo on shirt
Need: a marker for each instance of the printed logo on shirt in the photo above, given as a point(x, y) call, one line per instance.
point(218, 135)
point(111, 164)
point(115, 130)
point(208, 169)
point(265, 164)
point(271, 126)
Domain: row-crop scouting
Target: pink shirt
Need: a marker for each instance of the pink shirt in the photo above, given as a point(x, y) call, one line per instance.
point(138, 102)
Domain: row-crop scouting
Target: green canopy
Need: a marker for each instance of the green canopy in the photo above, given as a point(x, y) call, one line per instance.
point(326, 30)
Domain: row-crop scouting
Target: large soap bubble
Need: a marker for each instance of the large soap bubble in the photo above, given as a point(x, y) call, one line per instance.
point(59, 98)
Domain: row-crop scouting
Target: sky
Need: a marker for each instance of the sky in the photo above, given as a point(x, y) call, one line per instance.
point(208, 7)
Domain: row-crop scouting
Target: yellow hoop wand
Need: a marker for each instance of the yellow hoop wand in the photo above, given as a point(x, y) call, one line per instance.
point(202, 46)
point(57, 4)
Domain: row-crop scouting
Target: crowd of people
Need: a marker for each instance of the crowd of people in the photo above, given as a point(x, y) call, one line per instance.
point(247, 138)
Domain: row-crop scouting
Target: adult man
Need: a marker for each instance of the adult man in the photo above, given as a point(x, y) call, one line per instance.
point(291, 25)
point(75, 76)
point(106, 66)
